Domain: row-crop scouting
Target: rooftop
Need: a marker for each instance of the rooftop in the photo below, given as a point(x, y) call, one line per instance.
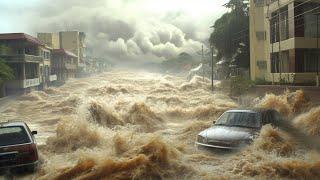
point(20, 36)
point(64, 52)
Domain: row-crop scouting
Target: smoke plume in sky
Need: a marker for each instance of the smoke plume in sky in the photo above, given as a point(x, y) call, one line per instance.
point(124, 30)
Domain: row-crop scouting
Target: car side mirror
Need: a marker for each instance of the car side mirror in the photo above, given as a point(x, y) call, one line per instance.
point(34, 132)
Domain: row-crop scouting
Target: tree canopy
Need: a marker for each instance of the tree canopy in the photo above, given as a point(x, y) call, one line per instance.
point(6, 72)
point(182, 62)
point(230, 34)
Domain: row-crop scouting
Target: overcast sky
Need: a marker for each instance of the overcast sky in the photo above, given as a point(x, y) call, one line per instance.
point(121, 29)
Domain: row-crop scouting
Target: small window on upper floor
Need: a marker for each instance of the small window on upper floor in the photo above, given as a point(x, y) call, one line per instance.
point(20, 51)
point(259, 3)
point(261, 35)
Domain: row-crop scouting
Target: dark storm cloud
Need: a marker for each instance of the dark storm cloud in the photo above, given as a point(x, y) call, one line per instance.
point(113, 28)
point(180, 20)
point(115, 33)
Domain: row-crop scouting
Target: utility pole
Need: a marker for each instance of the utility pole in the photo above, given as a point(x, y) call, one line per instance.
point(279, 52)
point(272, 56)
point(212, 88)
point(202, 64)
point(317, 79)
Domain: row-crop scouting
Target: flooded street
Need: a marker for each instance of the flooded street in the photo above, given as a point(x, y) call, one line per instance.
point(141, 125)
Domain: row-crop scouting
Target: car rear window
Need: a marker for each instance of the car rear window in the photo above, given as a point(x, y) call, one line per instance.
point(13, 135)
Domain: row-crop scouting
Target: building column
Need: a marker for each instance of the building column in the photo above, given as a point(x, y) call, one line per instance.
point(292, 61)
point(38, 70)
point(291, 20)
point(23, 71)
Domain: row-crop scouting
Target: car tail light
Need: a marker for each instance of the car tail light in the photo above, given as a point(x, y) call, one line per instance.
point(32, 150)
point(28, 153)
point(23, 154)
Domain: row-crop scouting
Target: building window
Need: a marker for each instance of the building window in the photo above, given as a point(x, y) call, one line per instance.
point(284, 62)
point(261, 35)
point(284, 25)
point(281, 29)
point(17, 69)
point(310, 60)
point(306, 19)
point(274, 28)
point(31, 70)
point(259, 3)
point(280, 63)
point(262, 65)
point(310, 26)
point(307, 60)
point(275, 62)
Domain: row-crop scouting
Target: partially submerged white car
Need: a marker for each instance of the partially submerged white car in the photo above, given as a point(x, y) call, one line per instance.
point(236, 128)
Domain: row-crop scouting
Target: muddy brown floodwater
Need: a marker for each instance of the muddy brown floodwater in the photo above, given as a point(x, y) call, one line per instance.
point(140, 125)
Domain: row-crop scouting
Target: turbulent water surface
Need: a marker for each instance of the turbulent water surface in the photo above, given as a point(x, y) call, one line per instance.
point(139, 125)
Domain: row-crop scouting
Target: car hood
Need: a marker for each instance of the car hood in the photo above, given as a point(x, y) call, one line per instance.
point(226, 133)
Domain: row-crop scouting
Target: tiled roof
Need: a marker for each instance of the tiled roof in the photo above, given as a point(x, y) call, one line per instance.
point(64, 52)
point(20, 36)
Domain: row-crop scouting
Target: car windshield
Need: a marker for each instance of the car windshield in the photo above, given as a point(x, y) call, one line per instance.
point(13, 135)
point(242, 119)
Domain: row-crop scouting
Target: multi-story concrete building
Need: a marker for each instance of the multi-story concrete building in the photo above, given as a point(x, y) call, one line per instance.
point(284, 40)
point(30, 60)
point(50, 39)
point(64, 64)
point(72, 41)
point(45, 67)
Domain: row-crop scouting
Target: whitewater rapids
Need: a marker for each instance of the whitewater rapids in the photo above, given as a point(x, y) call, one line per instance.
point(140, 125)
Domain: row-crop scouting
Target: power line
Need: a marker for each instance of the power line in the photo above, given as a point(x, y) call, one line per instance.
point(294, 16)
point(277, 15)
point(292, 8)
point(276, 24)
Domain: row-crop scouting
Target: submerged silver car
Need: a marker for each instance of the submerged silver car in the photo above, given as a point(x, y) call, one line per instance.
point(235, 128)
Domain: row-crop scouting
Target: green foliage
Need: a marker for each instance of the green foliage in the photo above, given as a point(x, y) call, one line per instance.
point(260, 81)
point(6, 73)
point(238, 5)
point(231, 34)
point(4, 49)
point(240, 85)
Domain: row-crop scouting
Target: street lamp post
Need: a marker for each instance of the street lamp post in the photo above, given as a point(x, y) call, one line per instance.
point(212, 87)
point(202, 57)
point(317, 78)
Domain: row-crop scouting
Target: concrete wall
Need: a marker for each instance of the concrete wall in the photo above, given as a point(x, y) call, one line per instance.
point(70, 41)
point(51, 39)
point(258, 63)
point(259, 22)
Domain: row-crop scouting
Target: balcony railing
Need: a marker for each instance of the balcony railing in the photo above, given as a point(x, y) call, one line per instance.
point(21, 58)
point(81, 65)
point(53, 77)
point(22, 84)
point(70, 66)
point(31, 82)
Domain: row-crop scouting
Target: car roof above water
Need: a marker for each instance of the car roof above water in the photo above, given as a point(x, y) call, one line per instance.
point(249, 110)
point(12, 124)
point(242, 110)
